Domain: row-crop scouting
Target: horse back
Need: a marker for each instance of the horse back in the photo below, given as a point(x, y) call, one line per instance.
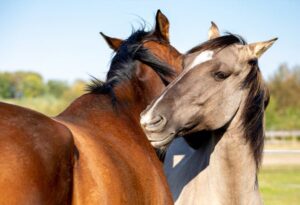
point(36, 158)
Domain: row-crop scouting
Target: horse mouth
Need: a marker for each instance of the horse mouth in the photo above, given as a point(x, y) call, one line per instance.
point(164, 142)
point(157, 143)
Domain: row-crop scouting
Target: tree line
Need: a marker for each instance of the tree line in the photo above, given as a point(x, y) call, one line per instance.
point(283, 111)
point(284, 86)
point(20, 84)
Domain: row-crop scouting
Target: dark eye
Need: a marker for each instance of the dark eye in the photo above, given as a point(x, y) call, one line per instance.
point(220, 75)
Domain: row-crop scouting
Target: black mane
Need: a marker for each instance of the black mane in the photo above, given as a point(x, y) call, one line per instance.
point(253, 118)
point(124, 62)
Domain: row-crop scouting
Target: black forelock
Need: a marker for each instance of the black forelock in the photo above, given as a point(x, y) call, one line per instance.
point(219, 42)
point(124, 62)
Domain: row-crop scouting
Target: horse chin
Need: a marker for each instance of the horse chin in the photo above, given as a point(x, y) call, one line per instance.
point(164, 142)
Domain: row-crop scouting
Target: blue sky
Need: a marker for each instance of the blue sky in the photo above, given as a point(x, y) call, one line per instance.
point(60, 39)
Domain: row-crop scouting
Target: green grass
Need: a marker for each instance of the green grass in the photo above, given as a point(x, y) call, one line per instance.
point(280, 185)
point(47, 105)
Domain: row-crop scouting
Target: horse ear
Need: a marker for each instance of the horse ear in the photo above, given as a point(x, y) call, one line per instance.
point(257, 49)
point(114, 43)
point(213, 31)
point(162, 26)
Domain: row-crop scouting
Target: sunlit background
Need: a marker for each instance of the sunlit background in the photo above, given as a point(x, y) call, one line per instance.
point(60, 39)
point(49, 49)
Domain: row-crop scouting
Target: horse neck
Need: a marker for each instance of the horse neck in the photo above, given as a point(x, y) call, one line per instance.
point(222, 171)
point(134, 95)
point(126, 102)
point(232, 170)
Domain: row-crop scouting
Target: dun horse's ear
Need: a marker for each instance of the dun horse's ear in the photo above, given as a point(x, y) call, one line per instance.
point(114, 43)
point(162, 26)
point(213, 31)
point(257, 49)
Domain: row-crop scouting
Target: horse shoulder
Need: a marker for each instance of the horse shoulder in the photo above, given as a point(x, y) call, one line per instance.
point(113, 165)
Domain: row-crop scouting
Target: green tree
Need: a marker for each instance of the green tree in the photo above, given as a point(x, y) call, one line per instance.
point(285, 86)
point(5, 85)
point(32, 85)
point(77, 89)
point(283, 111)
point(56, 87)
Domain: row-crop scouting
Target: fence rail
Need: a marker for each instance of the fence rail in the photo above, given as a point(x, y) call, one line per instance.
point(283, 134)
point(281, 151)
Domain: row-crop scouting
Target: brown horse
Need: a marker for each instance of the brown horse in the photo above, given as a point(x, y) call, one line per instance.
point(95, 152)
point(221, 91)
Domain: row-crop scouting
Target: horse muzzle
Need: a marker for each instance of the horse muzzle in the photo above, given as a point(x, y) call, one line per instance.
point(153, 124)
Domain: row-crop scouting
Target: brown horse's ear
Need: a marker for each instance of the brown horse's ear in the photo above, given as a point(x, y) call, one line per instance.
point(114, 43)
point(162, 26)
point(213, 31)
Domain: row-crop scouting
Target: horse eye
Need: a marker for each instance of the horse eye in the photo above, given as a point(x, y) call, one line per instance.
point(220, 75)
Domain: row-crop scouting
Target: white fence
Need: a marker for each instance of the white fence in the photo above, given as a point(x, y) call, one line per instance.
point(281, 151)
point(283, 134)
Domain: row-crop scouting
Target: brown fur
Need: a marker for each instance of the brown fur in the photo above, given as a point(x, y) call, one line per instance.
point(36, 160)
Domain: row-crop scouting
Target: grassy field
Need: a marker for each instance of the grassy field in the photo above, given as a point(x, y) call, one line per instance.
point(279, 177)
point(48, 105)
point(280, 185)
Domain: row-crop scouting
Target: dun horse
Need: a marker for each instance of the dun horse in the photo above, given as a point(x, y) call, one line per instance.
point(95, 152)
point(220, 91)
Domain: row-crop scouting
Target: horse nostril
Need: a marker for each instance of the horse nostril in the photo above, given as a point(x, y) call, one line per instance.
point(156, 123)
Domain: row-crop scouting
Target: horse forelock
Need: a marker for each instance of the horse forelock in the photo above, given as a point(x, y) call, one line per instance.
point(219, 42)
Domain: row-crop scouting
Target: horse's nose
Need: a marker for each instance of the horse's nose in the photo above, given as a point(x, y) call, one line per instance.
point(153, 124)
